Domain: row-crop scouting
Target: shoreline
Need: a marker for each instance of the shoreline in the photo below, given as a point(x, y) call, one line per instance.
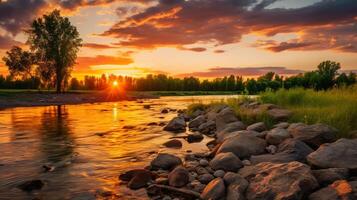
point(33, 98)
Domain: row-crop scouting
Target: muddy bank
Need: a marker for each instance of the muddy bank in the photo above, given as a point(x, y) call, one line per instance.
point(251, 161)
point(28, 99)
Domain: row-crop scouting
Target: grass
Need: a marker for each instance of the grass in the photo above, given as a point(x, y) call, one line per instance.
point(336, 107)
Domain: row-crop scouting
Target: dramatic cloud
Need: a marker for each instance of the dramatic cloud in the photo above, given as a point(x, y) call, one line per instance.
point(17, 14)
point(195, 49)
point(7, 42)
point(241, 71)
point(179, 22)
point(84, 63)
point(98, 46)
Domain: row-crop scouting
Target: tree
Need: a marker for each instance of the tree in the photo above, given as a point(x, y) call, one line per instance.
point(20, 63)
point(57, 43)
point(327, 71)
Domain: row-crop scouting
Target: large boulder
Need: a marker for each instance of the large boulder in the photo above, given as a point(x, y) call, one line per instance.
point(165, 161)
point(292, 180)
point(277, 136)
point(279, 114)
point(215, 190)
point(313, 135)
point(226, 161)
point(178, 177)
point(195, 123)
point(340, 154)
point(228, 129)
point(328, 176)
point(339, 190)
point(289, 150)
point(259, 127)
point(243, 145)
point(176, 125)
point(224, 117)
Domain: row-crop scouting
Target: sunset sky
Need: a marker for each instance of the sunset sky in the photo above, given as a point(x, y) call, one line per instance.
point(204, 38)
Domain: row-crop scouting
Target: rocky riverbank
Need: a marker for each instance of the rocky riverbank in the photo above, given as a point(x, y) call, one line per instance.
point(251, 161)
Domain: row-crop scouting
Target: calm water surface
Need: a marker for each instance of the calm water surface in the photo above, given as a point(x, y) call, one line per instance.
point(89, 145)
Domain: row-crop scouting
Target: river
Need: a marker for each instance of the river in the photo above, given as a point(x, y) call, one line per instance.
point(88, 146)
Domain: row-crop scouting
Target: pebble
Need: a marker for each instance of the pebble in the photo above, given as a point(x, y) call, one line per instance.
point(219, 173)
point(205, 178)
point(246, 162)
point(204, 162)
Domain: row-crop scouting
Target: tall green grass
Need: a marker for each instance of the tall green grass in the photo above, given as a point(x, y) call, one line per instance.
point(336, 107)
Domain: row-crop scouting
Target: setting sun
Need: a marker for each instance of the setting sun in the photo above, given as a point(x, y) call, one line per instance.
point(115, 83)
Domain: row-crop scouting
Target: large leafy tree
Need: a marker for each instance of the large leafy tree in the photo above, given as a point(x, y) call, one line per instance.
point(56, 42)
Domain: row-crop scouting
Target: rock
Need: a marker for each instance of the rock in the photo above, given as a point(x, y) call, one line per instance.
point(194, 137)
point(191, 165)
point(340, 154)
point(207, 128)
point(328, 176)
point(236, 186)
point(205, 178)
point(147, 106)
point(226, 161)
point(259, 127)
point(232, 131)
point(165, 161)
point(164, 111)
point(224, 117)
point(140, 180)
point(28, 186)
point(179, 177)
point(292, 180)
point(234, 178)
point(173, 143)
point(229, 128)
point(196, 122)
point(260, 134)
point(156, 189)
point(177, 125)
point(215, 190)
point(313, 135)
point(219, 173)
point(196, 186)
point(197, 113)
point(289, 150)
point(162, 181)
point(127, 176)
point(201, 170)
point(152, 124)
point(203, 162)
point(283, 125)
point(279, 114)
point(339, 190)
point(277, 136)
point(246, 162)
point(243, 145)
point(271, 149)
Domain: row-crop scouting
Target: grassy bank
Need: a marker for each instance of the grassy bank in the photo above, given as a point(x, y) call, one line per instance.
point(336, 107)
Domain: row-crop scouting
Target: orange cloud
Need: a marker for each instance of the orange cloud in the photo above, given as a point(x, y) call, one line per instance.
point(84, 63)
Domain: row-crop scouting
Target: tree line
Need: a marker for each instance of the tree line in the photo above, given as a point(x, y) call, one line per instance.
point(325, 77)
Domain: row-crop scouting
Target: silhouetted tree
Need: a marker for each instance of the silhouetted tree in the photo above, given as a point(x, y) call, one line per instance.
point(20, 63)
point(56, 41)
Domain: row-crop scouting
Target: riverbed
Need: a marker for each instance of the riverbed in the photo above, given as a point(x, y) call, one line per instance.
point(86, 146)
